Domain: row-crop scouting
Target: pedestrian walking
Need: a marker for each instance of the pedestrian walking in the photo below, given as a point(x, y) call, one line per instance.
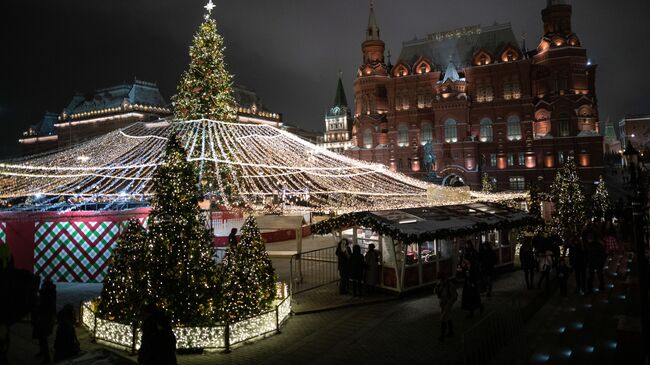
point(343, 254)
point(471, 272)
point(578, 262)
point(447, 296)
point(596, 258)
point(44, 322)
point(356, 264)
point(612, 246)
point(158, 345)
point(527, 258)
point(371, 278)
point(488, 260)
point(66, 344)
point(545, 265)
point(563, 272)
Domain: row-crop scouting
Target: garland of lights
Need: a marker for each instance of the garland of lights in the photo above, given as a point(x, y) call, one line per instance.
point(120, 164)
point(384, 227)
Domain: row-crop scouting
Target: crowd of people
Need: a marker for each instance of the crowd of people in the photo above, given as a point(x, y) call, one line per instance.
point(544, 255)
point(361, 272)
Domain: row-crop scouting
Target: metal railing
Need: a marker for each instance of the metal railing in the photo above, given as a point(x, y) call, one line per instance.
point(483, 341)
point(313, 269)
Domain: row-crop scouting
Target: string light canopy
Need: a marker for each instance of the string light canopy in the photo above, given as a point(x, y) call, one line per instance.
point(269, 164)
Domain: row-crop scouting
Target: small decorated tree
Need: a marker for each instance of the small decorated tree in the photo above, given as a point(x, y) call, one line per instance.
point(534, 202)
point(183, 278)
point(205, 91)
point(125, 285)
point(487, 184)
point(568, 196)
point(600, 201)
point(247, 276)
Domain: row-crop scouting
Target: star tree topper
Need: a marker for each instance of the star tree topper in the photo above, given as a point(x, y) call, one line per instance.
point(209, 6)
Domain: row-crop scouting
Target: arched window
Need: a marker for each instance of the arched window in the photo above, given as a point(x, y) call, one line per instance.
point(486, 133)
point(403, 135)
point(367, 138)
point(451, 131)
point(426, 133)
point(514, 128)
point(563, 125)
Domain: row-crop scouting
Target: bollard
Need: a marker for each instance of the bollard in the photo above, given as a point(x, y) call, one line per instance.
point(226, 339)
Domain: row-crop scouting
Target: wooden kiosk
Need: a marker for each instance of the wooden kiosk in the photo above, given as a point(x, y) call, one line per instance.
point(417, 243)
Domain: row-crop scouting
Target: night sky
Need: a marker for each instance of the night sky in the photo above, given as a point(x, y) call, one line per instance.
point(289, 51)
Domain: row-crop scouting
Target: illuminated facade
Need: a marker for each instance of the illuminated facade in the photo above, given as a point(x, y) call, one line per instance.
point(469, 101)
point(636, 129)
point(109, 109)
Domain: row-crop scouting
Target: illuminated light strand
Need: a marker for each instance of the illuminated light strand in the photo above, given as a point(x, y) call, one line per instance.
point(270, 162)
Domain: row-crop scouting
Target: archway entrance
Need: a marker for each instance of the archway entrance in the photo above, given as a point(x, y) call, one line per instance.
point(453, 180)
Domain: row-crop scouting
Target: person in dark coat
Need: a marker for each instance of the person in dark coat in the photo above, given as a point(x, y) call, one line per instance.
point(158, 346)
point(356, 264)
point(488, 260)
point(447, 296)
point(596, 258)
point(471, 272)
point(563, 272)
point(44, 322)
point(371, 277)
point(343, 254)
point(527, 258)
point(232, 237)
point(66, 344)
point(578, 262)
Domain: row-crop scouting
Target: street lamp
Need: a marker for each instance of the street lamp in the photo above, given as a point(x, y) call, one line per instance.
point(639, 208)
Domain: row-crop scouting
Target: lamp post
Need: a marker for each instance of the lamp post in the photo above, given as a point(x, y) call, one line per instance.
point(639, 208)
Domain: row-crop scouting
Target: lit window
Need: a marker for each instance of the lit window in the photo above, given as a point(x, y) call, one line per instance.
point(486, 133)
point(522, 159)
point(517, 183)
point(514, 128)
point(403, 135)
point(451, 131)
point(511, 158)
point(426, 133)
point(563, 126)
point(560, 157)
point(421, 101)
point(367, 138)
point(493, 159)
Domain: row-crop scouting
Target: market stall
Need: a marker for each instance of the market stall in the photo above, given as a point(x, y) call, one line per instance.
point(417, 243)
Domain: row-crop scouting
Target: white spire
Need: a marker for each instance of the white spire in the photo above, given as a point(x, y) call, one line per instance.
point(451, 73)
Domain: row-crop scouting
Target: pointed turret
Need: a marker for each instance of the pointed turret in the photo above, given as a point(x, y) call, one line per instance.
point(373, 47)
point(340, 100)
point(373, 29)
point(451, 73)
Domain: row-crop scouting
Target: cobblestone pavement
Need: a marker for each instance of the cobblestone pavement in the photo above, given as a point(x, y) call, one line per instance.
point(577, 329)
point(397, 331)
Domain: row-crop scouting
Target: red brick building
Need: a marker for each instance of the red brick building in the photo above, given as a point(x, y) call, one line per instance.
point(471, 101)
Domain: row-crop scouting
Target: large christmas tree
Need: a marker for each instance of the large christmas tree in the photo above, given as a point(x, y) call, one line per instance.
point(247, 276)
point(125, 285)
point(205, 91)
point(600, 201)
point(569, 216)
point(534, 202)
point(182, 270)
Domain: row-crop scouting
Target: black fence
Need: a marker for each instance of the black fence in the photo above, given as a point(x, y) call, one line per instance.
point(313, 269)
point(483, 342)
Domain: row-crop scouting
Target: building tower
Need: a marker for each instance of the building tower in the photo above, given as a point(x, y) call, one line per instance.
point(564, 80)
point(338, 122)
